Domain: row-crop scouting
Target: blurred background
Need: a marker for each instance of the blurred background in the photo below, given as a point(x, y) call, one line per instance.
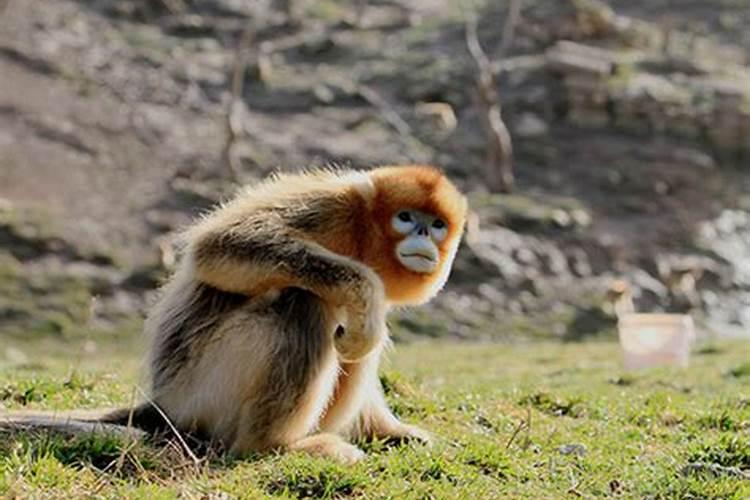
point(604, 147)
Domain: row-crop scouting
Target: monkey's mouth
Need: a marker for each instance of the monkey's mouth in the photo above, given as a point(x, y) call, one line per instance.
point(422, 256)
point(418, 262)
point(418, 254)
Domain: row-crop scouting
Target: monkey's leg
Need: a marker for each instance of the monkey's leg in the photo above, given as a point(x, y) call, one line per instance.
point(261, 252)
point(284, 408)
point(359, 407)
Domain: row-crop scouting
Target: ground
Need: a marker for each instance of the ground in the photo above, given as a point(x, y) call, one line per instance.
point(531, 421)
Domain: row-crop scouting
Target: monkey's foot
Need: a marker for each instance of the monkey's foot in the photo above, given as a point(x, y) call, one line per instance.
point(329, 446)
point(405, 433)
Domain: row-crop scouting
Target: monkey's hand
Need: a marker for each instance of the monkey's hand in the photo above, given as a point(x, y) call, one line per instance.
point(365, 327)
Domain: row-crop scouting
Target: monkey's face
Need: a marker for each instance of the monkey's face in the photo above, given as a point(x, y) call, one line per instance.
point(418, 216)
point(422, 233)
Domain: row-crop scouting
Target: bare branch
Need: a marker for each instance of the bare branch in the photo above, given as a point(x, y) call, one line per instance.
point(509, 29)
point(499, 167)
point(387, 111)
point(232, 117)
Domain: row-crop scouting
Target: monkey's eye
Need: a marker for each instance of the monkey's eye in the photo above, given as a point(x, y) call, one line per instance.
point(403, 222)
point(439, 229)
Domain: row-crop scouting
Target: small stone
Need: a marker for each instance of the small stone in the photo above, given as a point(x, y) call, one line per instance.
point(661, 188)
point(581, 217)
point(440, 113)
point(324, 94)
point(16, 356)
point(561, 218)
point(572, 449)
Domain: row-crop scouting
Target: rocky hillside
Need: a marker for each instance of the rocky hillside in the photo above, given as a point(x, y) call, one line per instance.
point(123, 120)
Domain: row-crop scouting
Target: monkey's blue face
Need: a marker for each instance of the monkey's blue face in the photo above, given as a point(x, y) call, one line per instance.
point(419, 250)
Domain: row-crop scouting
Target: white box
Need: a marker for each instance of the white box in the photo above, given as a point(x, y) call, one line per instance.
point(650, 340)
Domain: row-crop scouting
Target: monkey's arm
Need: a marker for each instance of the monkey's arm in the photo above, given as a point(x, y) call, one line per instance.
point(264, 250)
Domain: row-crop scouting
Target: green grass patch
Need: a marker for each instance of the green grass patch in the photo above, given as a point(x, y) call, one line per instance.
point(742, 370)
point(527, 421)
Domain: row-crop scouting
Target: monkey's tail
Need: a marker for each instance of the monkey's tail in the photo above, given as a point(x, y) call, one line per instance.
point(139, 422)
point(146, 416)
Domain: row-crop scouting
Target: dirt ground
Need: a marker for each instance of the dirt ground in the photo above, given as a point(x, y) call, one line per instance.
point(113, 126)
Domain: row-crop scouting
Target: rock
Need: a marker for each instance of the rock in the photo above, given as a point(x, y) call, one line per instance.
point(324, 94)
point(530, 125)
point(694, 157)
point(440, 113)
point(569, 57)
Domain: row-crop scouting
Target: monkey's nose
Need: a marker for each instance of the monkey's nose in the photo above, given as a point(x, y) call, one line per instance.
point(422, 231)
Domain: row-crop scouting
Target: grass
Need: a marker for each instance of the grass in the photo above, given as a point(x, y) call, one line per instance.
point(530, 421)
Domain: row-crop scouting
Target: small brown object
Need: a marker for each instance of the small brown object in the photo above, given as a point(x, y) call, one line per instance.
point(620, 296)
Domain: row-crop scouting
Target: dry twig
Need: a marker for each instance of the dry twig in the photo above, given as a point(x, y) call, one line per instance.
point(196, 461)
point(524, 424)
point(521, 425)
point(499, 166)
